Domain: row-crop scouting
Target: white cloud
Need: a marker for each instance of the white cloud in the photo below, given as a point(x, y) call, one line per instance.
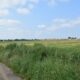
point(31, 6)
point(6, 5)
point(63, 0)
point(41, 26)
point(23, 11)
point(4, 12)
point(11, 3)
point(34, 1)
point(65, 23)
point(52, 2)
point(10, 28)
point(9, 22)
point(55, 2)
point(12, 32)
point(61, 23)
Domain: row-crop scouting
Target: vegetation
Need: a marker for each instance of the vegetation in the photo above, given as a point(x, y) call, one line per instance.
point(41, 62)
point(51, 42)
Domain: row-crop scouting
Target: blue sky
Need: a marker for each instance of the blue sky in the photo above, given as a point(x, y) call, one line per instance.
point(39, 19)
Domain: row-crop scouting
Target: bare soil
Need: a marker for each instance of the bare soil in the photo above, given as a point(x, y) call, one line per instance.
point(7, 74)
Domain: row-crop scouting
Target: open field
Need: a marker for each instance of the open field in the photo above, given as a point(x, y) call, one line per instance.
point(44, 42)
point(43, 60)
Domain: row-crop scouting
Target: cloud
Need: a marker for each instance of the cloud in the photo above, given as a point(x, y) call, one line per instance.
point(31, 6)
point(4, 12)
point(27, 5)
point(60, 23)
point(34, 1)
point(65, 23)
point(23, 11)
point(55, 2)
point(52, 2)
point(9, 22)
point(6, 5)
point(11, 3)
point(14, 32)
point(41, 26)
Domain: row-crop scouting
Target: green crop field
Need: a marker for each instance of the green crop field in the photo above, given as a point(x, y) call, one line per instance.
point(42, 60)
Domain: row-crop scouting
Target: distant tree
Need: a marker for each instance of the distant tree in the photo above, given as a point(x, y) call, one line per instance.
point(69, 37)
point(72, 38)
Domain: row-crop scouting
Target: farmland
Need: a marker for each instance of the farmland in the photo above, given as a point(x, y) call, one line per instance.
point(44, 42)
point(42, 60)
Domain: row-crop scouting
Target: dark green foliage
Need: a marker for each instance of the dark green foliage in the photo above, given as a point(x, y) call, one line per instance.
point(42, 63)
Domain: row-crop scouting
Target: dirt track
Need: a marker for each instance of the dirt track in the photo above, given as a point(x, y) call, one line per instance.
point(6, 73)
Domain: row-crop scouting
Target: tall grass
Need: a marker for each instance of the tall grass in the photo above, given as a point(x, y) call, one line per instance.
point(42, 63)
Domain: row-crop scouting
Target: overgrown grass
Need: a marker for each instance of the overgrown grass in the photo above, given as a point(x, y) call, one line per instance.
point(42, 63)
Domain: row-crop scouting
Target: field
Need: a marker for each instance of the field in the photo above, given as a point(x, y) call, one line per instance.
point(44, 42)
point(42, 60)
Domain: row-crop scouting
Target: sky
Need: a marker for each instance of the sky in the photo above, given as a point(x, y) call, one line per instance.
point(39, 19)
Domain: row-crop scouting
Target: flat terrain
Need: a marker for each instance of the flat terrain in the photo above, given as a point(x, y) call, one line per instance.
point(44, 42)
point(40, 60)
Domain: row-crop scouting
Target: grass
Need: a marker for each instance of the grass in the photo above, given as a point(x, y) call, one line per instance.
point(44, 42)
point(58, 61)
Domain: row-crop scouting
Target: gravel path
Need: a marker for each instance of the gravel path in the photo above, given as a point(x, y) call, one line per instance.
point(7, 74)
